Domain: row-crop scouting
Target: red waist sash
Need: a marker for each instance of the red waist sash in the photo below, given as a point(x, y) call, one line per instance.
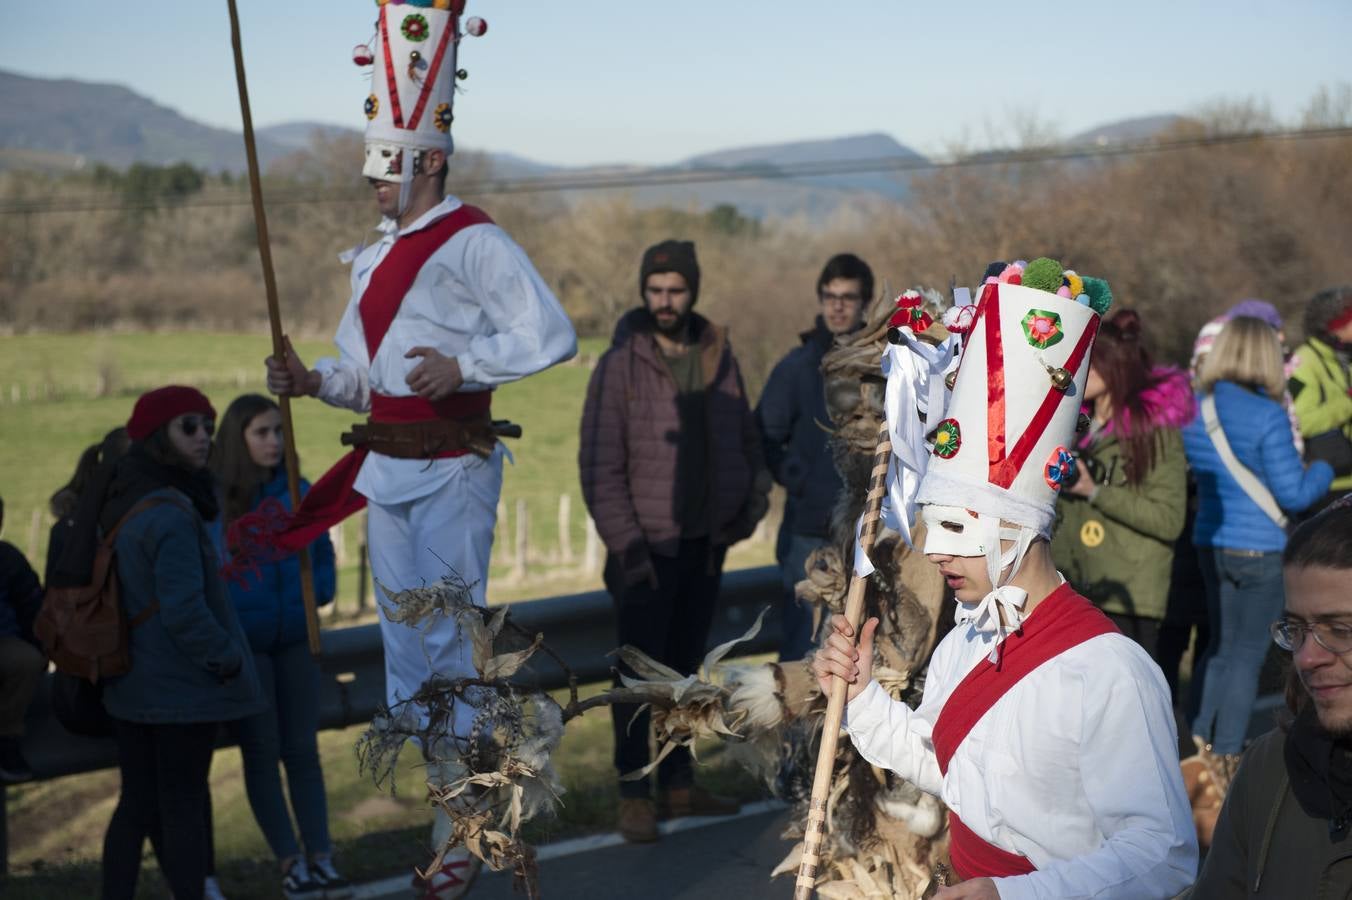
point(1062, 621)
point(271, 531)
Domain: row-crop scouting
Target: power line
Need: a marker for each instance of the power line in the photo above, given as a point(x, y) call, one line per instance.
point(710, 175)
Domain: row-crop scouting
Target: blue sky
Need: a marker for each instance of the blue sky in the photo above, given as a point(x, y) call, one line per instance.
point(644, 82)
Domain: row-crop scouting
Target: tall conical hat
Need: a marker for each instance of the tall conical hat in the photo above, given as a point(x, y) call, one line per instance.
point(413, 78)
point(1003, 446)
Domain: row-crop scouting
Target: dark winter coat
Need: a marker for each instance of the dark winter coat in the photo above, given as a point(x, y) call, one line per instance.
point(793, 420)
point(1266, 845)
point(268, 600)
point(1118, 548)
point(190, 661)
point(20, 594)
point(630, 438)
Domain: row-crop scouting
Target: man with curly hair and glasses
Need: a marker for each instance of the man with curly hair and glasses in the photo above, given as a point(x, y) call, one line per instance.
point(1286, 828)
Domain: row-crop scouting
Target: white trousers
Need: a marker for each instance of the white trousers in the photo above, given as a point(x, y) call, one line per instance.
point(412, 544)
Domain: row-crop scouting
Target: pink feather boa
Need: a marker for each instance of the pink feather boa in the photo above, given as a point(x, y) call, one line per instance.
point(1168, 402)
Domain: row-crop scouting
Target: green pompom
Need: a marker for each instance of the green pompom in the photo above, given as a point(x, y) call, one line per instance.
point(1043, 274)
point(1100, 295)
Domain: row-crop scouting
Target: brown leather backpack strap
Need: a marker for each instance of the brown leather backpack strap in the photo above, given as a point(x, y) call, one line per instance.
point(154, 605)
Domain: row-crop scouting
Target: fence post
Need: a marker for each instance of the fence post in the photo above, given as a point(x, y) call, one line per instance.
point(565, 529)
point(519, 558)
point(500, 539)
point(591, 553)
point(339, 545)
point(362, 578)
point(34, 532)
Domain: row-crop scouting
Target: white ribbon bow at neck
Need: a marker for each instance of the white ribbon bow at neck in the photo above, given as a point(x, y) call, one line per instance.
point(913, 400)
point(985, 617)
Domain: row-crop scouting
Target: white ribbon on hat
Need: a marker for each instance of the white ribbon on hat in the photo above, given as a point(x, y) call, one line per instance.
point(913, 400)
point(1000, 613)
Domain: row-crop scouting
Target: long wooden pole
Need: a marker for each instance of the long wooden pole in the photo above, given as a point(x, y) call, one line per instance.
point(307, 581)
point(835, 707)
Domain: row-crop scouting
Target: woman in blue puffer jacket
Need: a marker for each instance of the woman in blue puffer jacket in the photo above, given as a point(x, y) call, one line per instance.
point(248, 465)
point(1238, 544)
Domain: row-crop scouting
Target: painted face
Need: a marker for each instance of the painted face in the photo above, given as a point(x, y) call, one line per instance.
point(667, 297)
point(190, 436)
point(842, 303)
point(1319, 594)
point(263, 438)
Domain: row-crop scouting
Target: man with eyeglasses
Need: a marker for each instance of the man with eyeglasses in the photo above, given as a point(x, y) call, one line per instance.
point(1286, 827)
point(792, 416)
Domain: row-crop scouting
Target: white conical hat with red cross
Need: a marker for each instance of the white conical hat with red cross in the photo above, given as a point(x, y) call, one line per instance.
point(413, 78)
point(1003, 446)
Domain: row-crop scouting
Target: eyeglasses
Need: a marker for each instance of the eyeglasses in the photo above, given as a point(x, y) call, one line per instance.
point(844, 299)
point(1335, 637)
point(190, 426)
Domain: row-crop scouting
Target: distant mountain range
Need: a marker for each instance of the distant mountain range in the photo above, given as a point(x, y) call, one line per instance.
point(61, 124)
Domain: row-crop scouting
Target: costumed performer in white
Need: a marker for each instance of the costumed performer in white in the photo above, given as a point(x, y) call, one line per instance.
point(1047, 733)
point(445, 306)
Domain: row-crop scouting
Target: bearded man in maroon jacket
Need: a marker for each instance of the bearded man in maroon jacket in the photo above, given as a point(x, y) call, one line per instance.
point(673, 474)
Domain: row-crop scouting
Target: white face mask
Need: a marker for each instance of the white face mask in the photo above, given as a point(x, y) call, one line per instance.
point(954, 531)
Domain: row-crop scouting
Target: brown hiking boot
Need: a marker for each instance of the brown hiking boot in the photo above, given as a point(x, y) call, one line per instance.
point(674, 803)
point(637, 820)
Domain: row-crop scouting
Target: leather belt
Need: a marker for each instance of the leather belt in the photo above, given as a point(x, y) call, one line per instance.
point(431, 439)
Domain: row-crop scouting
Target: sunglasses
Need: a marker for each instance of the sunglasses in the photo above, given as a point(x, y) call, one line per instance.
point(190, 426)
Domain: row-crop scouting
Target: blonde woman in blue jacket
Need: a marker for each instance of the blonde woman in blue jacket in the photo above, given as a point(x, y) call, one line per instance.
point(1239, 546)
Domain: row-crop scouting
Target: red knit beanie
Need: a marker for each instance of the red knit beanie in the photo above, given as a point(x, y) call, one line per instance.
point(155, 409)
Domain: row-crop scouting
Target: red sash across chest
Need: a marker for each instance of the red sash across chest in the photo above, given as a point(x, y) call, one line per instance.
point(333, 497)
point(1062, 621)
point(394, 275)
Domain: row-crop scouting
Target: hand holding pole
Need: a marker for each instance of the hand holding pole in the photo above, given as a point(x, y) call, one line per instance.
point(815, 832)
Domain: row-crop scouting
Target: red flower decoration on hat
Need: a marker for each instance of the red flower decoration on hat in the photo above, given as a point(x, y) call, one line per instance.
point(947, 439)
point(911, 312)
point(1060, 466)
point(1042, 328)
point(414, 27)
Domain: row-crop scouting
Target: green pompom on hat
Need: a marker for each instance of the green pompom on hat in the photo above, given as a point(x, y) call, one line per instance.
point(1100, 295)
point(1043, 274)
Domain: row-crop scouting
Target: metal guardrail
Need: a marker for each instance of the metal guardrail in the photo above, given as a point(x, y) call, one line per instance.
point(579, 627)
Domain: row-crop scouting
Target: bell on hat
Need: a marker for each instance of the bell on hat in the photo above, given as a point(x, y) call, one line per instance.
point(1015, 402)
point(413, 76)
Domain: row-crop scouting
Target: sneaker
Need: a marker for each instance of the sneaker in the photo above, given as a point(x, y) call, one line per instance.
point(335, 886)
point(299, 884)
point(637, 820)
point(675, 803)
point(13, 767)
point(211, 890)
point(452, 881)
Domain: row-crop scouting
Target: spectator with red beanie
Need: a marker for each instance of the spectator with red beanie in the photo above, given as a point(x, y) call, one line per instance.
point(190, 665)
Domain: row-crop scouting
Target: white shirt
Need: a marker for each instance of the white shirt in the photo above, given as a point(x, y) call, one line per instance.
point(1076, 767)
point(478, 299)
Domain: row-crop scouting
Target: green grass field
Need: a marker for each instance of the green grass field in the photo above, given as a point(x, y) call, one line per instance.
point(41, 438)
point(49, 412)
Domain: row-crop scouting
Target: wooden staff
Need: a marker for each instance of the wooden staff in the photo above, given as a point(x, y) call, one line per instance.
point(835, 707)
point(307, 580)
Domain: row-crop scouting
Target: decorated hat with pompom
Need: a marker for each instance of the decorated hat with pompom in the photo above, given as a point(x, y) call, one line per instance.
point(413, 80)
point(1002, 448)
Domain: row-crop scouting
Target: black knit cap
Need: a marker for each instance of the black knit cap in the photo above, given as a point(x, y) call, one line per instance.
point(671, 256)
